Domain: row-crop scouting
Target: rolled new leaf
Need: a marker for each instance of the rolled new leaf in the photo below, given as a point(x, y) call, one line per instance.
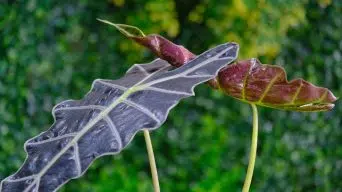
point(249, 80)
point(176, 55)
point(107, 118)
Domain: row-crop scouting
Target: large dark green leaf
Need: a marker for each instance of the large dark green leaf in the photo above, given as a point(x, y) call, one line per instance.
point(108, 117)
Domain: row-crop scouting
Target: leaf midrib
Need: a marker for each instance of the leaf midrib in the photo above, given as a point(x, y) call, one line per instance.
point(137, 87)
point(74, 141)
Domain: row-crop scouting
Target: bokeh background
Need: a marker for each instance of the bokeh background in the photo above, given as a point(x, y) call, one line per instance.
point(52, 51)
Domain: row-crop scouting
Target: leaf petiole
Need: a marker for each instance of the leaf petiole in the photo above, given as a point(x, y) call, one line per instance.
point(152, 161)
point(252, 155)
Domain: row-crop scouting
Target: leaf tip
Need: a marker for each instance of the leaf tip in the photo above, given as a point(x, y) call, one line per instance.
point(127, 30)
point(228, 50)
point(101, 20)
point(330, 98)
point(236, 48)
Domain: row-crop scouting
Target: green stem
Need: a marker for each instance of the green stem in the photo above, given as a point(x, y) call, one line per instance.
point(152, 161)
point(252, 155)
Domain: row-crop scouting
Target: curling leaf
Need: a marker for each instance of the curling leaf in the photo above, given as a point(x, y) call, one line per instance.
point(108, 117)
point(176, 55)
point(249, 80)
point(267, 85)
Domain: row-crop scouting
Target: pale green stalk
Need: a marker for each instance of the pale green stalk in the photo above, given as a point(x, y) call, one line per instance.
point(252, 155)
point(152, 161)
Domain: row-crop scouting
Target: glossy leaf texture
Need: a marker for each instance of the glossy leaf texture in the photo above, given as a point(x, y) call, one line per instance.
point(249, 80)
point(107, 118)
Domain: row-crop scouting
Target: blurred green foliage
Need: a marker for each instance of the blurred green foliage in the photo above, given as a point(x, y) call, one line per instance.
point(257, 25)
point(53, 50)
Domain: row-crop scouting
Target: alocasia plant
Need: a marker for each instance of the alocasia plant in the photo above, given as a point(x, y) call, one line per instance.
point(248, 80)
point(108, 117)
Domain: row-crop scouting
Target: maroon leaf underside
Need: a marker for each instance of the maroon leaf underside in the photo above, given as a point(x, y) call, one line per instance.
point(267, 85)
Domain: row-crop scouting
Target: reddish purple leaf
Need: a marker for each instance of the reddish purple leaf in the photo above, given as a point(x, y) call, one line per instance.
point(267, 85)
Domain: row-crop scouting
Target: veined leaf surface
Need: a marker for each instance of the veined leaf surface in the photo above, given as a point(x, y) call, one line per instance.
point(108, 117)
point(267, 85)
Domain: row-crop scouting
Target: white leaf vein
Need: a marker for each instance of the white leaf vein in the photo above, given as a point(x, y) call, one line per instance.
point(114, 131)
point(77, 159)
point(194, 68)
point(21, 179)
point(115, 86)
point(168, 91)
point(199, 76)
point(53, 139)
point(35, 182)
point(95, 107)
point(142, 69)
point(142, 109)
point(37, 185)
